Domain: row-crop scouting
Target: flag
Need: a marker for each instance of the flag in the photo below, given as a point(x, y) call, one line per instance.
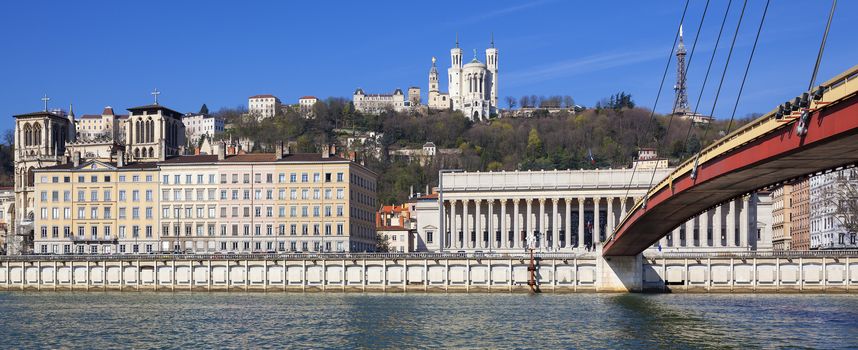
point(590, 154)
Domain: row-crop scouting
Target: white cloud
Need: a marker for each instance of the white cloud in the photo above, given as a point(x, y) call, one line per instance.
point(571, 67)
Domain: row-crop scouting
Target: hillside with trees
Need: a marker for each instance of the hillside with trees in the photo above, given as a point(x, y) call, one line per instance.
point(612, 132)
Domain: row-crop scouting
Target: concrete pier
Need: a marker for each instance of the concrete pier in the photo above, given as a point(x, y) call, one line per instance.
point(560, 273)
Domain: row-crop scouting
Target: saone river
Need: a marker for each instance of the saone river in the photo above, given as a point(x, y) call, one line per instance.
point(347, 321)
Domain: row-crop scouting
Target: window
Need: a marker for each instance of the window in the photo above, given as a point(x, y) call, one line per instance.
point(93, 196)
point(149, 212)
point(80, 196)
point(429, 237)
point(148, 195)
point(327, 177)
point(304, 229)
point(339, 177)
point(305, 177)
point(339, 229)
point(293, 228)
point(165, 181)
point(148, 178)
point(281, 178)
point(135, 213)
point(340, 193)
point(327, 193)
point(122, 195)
point(293, 194)
point(107, 195)
point(200, 179)
point(293, 177)
point(315, 177)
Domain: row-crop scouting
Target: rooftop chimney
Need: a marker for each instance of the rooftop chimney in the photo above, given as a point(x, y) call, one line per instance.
point(221, 151)
point(326, 152)
point(76, 159)
point(120, 158)
point(278, 151)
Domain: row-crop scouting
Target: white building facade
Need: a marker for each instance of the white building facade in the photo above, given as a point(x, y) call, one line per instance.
point(263, 106)
point(199, 125)
point(566, 210)
point(377, 103)
point(826, 228)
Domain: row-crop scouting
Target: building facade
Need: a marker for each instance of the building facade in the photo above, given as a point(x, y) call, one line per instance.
point(207, 204)
point(202, 124)
point(49, 138)
point(782, 216)
point(827, 230)
point(566, 210)
point(7, 217)
point(263, 106)
point(377, 103)
point(800, 225)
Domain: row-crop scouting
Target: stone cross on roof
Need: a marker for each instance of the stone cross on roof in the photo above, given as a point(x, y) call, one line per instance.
point(155, 93)
point(45, 99)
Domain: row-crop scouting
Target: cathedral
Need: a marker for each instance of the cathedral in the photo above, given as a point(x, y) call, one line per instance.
point(46, 138)
point(472, 87)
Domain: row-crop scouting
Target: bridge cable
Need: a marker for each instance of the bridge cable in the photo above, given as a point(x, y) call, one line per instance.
point(822, 45)
point(702, 88)
point(706, 77)
point(718, 91)
point(661, 86)
point(747, 68)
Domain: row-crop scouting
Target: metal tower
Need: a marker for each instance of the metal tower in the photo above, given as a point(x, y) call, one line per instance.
point(680, 104)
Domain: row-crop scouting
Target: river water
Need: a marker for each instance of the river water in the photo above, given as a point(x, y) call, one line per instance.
point(346, 321)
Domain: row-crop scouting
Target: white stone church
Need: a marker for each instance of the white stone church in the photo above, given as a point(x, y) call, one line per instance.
point(472, 87)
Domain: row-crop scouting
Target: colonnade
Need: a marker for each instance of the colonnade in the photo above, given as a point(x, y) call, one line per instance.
point(546, 224)
point(574, 224)
point(728, 225)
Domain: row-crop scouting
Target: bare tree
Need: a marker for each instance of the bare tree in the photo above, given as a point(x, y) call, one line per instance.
point(842, 196)
point(510, 102)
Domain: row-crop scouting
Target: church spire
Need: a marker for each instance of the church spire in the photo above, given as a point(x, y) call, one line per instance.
point(457, 39)
point(493, 39)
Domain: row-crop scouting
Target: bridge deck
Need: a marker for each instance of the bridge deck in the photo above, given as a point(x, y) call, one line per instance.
point(764, 152)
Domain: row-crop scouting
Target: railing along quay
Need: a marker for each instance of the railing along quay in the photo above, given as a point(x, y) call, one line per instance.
point(289, 256)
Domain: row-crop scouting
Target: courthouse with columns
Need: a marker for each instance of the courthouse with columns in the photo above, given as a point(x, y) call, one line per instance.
point(570, 210)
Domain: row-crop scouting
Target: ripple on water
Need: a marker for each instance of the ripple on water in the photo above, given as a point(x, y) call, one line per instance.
point(276, 321)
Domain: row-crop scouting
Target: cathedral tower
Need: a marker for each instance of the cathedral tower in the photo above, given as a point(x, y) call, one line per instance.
point(492, 66)
point(455, 73)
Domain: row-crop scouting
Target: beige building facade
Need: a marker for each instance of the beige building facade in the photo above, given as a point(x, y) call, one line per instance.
point(206, 204)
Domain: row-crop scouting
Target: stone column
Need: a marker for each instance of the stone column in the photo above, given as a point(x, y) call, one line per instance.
point(704, 229)
point(466, 228)
point(528, 222)
point(689, 233)
point(597, 230)
point(568, 226)
point(744, 227)
point(717, 223)
point(731, 224)
point(478, 224)
point(555, 226)
point(516, 223)
point(502, 223)
point(580, 223)
point(542, 224)
point(448, 243)
point(676, 241)
point(611, 217)
point(490, 223)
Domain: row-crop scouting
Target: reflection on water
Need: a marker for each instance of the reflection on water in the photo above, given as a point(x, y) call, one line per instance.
point(220, 320)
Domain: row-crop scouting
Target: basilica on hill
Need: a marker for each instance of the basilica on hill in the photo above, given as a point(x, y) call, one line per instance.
point(472, 86)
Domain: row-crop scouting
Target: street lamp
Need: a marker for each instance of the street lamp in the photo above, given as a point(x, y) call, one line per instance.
point(441, 209)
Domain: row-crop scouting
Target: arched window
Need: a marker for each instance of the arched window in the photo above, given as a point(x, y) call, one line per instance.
point(28, 135)
point(37, 135)
point(30, 177)
point(136, 127)
point(136, 153)
point(151, 152)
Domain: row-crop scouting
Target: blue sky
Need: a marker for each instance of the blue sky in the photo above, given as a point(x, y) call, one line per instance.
point(99, 53)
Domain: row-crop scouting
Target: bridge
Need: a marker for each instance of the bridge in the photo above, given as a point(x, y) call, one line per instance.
point(817, 131)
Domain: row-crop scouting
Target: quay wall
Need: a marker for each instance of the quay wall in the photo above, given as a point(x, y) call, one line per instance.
point(558, 273)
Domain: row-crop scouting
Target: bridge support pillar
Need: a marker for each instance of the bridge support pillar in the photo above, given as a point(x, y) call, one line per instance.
point(619, 274)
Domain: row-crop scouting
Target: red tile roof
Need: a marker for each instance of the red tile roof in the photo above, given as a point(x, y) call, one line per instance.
point(391, 228)
point(263, 96)
point(253, 158)
point(308, 98)
point(107, 111)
